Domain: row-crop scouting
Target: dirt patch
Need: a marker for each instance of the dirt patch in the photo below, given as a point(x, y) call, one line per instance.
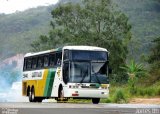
point(145, 101)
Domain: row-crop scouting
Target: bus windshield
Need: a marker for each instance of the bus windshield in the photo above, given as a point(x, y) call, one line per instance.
point(88, 72)
point(86, 67)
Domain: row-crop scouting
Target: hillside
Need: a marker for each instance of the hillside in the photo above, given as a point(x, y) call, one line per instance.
point(144, 16)
point(18, 30)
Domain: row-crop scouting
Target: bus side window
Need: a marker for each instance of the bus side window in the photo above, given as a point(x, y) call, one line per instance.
point(24, 64)
point(51, 59)
point(29, 63)
point(58, 58)
point(34, 63)
point(46, 61)
point(40, 62)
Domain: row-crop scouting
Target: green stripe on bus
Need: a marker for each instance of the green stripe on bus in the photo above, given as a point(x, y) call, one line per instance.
point(49, 83)
point(59, 49)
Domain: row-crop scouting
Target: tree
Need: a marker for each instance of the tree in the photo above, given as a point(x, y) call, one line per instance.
point(154, 57)
point(134, 71)
point(154, 60)
point(95, 23)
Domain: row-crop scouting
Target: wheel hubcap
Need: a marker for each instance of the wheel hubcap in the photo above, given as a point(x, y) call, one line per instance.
point(32, 95)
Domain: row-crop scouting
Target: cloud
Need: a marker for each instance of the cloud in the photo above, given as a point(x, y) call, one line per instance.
point(11, 6)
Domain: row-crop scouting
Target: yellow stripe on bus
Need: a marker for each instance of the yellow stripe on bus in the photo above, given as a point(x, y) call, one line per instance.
point(41, 84)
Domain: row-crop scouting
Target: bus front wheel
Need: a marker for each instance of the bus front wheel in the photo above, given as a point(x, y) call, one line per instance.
point(95, 100)
point(61, 98)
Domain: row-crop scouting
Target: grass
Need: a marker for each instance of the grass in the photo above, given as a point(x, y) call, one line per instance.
point(79, 101)
point(118, 94)
point(149, 91)
point(121, 94)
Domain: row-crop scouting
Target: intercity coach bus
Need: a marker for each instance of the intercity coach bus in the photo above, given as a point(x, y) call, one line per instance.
point(68, 72)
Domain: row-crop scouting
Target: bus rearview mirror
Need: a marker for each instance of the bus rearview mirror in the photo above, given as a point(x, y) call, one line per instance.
point(110, 70)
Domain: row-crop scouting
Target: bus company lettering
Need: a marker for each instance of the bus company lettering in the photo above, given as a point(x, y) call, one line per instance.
point(58, 72)
point(25, 75)
point(36, 74)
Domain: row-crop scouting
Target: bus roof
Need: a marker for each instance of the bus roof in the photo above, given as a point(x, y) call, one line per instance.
point(91, 48)
point(42, 52)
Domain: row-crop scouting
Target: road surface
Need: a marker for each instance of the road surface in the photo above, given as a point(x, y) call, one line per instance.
point(71, 108)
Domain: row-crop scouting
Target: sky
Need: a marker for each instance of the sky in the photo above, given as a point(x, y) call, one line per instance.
point(11, 6)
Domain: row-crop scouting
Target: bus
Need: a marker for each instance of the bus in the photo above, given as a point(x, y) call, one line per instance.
point(78, 72)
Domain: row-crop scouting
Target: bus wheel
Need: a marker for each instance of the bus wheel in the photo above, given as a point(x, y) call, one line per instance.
point(95, 100)
point(32, 95)
point(61, 95)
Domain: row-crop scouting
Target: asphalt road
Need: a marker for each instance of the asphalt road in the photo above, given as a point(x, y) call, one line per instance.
point(71, 108)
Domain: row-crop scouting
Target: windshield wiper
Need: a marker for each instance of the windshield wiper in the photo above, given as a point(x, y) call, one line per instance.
point(83, 77)
point(97, 78)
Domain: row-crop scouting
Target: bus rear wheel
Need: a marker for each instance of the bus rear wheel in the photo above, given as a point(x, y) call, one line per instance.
point(32, 95)
point(95, 100)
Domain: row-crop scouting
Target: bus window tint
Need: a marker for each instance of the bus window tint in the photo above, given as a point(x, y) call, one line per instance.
point(46, 61)
point(58, 58)
point(40, 62)
point(25, 65)
point(29, 62)
point(34, 63)
point(51, 59)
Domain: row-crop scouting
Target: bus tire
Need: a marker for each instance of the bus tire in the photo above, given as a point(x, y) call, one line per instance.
point(32, 95)
point(61, 98)
point(95, 100)
point(28, 90)
point(60, 94)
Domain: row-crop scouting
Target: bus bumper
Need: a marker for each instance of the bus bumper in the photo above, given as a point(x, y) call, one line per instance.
point(87, 93)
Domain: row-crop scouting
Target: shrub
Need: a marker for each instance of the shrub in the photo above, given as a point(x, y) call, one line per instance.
point(141, 92)
point(150, 91)
point(108, 100)
point(119, 96)
point(158, 91)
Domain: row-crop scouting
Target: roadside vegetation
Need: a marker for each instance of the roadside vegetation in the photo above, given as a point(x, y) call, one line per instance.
point(122, 94)
point(142, 82)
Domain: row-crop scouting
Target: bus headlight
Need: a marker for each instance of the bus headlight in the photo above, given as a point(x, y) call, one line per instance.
point(104, 86)
point(73, 86)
